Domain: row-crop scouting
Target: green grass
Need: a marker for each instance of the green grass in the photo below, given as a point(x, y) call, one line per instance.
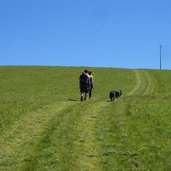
point(44, 126)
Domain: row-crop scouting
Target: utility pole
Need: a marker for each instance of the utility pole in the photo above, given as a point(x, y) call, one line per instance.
point(160, 56)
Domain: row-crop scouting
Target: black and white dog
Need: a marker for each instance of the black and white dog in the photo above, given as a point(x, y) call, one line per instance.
point(115, 94)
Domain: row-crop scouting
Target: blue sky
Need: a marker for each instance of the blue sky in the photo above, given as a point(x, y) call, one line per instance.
point(97, 33)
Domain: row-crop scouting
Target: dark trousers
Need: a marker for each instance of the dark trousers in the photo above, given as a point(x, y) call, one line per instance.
point(89, 93)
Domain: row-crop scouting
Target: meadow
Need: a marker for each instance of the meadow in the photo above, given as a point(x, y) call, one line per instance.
point(45, 127)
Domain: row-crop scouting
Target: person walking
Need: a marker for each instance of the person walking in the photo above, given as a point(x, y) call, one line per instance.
point(84, 84)
point(91, 83)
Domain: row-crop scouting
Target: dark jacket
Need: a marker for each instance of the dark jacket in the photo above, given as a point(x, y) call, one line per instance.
point(84, 82)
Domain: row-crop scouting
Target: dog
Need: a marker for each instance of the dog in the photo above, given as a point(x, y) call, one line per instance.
point(115, 94)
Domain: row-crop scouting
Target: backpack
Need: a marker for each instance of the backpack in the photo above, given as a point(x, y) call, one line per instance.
point(83, 80)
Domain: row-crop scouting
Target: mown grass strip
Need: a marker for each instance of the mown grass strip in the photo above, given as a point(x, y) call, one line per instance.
point(23, 137)
point(71, 145)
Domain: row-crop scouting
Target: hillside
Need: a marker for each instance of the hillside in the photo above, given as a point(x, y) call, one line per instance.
point(44, 126)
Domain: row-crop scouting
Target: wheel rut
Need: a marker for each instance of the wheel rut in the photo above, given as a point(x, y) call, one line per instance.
point(21, 139)
point(143, 85)
point(88, 145)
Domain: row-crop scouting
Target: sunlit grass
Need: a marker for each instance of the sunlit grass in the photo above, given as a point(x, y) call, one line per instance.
point(44, 126)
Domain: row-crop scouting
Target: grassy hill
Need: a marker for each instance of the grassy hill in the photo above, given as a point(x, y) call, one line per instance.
point(44, 126)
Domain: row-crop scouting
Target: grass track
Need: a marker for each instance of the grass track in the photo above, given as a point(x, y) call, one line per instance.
point(96, 134)
point(88, 143)
point(143, 84)
point(27, 133)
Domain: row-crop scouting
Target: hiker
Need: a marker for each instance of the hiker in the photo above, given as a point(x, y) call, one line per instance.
point(91, 83)
point(84, 84)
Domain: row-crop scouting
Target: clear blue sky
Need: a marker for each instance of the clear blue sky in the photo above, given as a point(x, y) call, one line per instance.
point(98, 33)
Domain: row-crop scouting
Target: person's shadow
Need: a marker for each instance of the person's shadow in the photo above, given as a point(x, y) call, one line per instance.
point(72, 99)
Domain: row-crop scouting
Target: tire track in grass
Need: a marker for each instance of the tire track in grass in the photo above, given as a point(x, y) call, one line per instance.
point(143, 84)
point(73, 145)
point(149, 83)
point(54, 149)
point(138, 83)
point(78, 147)
point(22, 138)
point(89, 150)
point(25, 145)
